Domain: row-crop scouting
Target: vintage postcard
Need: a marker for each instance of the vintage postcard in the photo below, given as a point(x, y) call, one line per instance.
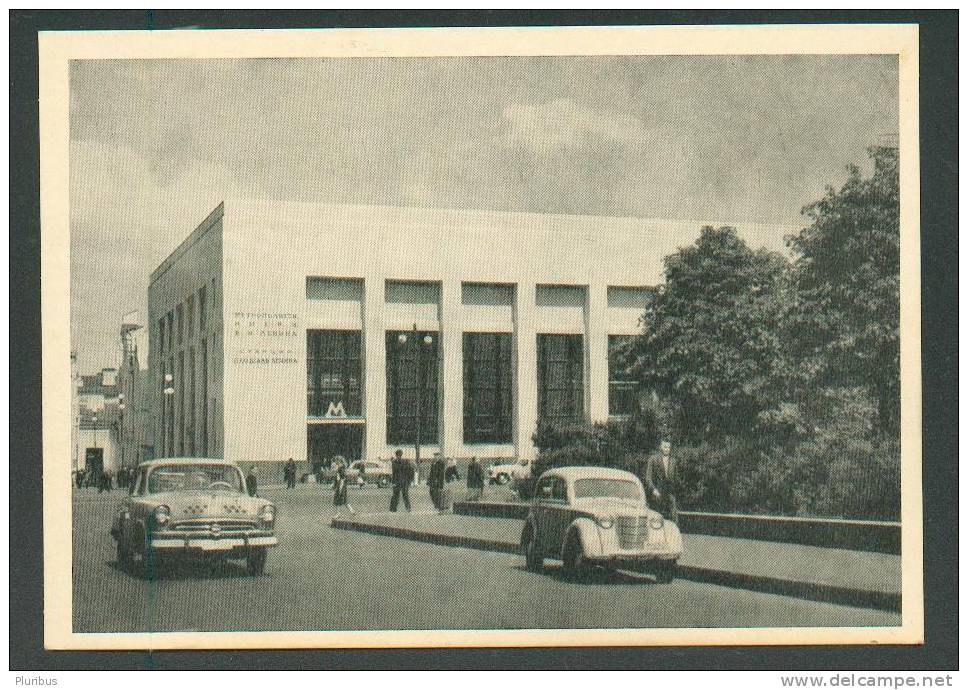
point(481, 337)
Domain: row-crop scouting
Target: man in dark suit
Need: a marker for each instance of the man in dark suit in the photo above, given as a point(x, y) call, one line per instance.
point(290, 473)
point(435, 481)
point(661, 475)
point(401, 472)
point(475, 480)
point(251, 482)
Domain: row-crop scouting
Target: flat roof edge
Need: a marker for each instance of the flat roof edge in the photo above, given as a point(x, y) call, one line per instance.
point(217, 213)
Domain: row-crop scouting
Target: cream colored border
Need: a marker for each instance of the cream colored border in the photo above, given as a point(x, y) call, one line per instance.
point(56, 49)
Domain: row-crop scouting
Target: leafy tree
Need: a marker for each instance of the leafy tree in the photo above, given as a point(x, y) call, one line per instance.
point(845, 318)
point(712, 337)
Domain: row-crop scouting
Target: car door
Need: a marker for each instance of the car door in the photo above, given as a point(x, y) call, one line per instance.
point(559, 515)
point(542, 497)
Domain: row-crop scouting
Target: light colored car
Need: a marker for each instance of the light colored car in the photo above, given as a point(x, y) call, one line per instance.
point(502, 473)
point(373, 472)
point(598, 516)
point(193, 506)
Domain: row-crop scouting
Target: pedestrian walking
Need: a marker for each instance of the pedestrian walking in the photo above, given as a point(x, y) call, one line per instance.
point(435, 481)
point(340, 494)
point(104, 483)
point(289, 473)
point(475, 480)
point(402, 474)
point(451, 477)
point(660, 478)
point(252, 482)
point(79, 478)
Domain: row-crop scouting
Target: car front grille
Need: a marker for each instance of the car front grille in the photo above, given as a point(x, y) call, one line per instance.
point(206, 526)
point(632, 530)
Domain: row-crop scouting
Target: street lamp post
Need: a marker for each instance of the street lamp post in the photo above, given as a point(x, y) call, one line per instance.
point(169, 392)
point(121, 425)
point(418, 353)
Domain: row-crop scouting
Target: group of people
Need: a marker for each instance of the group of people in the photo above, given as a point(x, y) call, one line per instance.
point(104, 481)
point(443, 474)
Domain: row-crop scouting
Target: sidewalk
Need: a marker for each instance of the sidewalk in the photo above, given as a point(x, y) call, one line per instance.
point(852, 578)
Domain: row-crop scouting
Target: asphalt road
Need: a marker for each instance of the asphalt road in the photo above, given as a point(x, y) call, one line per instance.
point(319, 578)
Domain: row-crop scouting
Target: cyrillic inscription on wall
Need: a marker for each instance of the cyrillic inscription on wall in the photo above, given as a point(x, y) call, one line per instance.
point(265, 337)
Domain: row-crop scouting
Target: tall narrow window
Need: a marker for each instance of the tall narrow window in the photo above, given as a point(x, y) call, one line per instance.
point(190, 430)
point(488, 388)
point(161, 336)
point(333, 373)
point(560, 379)
point(170, 331)
point(204, 393)
point(412, 371)
point(171, 408)
point(190, 315)
point(202, 311)
point(180, 322)
point(622, 395)
point(180, 392)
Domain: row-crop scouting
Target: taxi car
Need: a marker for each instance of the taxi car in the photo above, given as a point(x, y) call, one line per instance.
point(193, 506)
point(372, 472)
point(589, 516)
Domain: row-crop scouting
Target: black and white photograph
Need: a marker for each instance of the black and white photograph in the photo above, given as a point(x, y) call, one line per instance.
point(393, 340)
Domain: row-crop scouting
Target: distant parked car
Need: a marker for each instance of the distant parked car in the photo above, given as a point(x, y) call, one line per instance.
point(589, 516)
point(502, 473)
point(193, 506)
point(373, 472)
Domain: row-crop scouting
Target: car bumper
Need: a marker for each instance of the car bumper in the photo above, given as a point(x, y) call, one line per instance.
point(172, 541)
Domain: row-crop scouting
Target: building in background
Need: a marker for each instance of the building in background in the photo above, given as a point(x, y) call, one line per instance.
point(134, 428)
point(97, 410)
point(284, 330)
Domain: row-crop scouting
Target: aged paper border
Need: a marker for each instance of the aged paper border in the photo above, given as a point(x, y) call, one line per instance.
point(57, 48)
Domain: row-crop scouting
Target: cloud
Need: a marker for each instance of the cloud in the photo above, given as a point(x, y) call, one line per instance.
point(566, 123)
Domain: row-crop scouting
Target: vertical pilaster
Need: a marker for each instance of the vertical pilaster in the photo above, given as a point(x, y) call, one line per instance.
point(451, 336)
point(374, 367)
point(525, 370)
point(596, 353)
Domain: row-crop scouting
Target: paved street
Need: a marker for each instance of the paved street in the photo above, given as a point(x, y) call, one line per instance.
point(320, 578)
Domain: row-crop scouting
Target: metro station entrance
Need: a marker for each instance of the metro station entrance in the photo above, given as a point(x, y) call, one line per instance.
point(327, 440)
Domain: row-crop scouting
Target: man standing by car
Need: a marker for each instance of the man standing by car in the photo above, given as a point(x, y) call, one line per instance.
point(401, 474)
point(661, 475)
point(251, 482)
point(475, 480)
point(435, 481)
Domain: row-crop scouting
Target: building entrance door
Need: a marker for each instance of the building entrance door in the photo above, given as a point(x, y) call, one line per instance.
point(94, 461)
point(329, 440)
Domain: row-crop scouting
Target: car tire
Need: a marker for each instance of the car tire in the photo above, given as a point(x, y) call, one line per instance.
point(503, 479)
point(533, 559)
point(124, 554)
point(574, 558)
point(665, 572)
point(255, 562)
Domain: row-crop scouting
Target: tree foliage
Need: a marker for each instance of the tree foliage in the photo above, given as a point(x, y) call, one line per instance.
point(712, 337)
point(845, 320)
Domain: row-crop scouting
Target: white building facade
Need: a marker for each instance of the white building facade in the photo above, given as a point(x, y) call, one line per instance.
point(283, 330)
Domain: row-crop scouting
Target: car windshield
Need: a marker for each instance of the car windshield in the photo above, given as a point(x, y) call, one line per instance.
point(200, 477)
point(607, 488)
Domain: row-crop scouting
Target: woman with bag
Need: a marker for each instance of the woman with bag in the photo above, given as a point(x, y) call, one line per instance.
point(340, 497)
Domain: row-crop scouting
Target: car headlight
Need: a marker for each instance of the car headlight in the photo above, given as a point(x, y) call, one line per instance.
point(162, 515)
point(267, 514)
point(656, 522)
point(605, 522)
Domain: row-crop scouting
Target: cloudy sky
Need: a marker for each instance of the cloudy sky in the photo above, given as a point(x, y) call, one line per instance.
point(155, 145)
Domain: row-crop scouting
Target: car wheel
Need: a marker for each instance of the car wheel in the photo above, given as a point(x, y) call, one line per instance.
point(149, 564)
point(665, 572)
point(124, 553)
point(255, 563)
point(532, 556)
point(574, 557)
point(503, 478)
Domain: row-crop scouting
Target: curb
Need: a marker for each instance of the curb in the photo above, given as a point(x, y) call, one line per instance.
point(831, 594)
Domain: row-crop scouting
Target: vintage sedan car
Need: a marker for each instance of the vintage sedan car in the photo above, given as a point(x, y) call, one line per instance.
point(373, 472)
point(589, 516)
point(195, 506)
